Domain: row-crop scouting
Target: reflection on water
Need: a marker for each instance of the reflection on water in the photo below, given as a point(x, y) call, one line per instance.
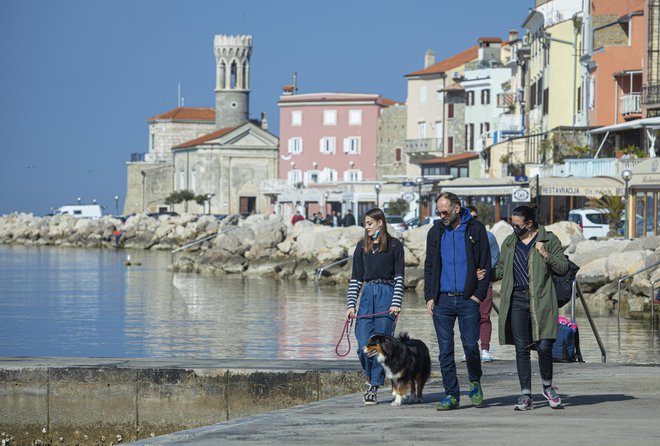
point(75, 302)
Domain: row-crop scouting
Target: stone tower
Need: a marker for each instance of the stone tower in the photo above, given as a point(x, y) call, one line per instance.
point(232, 79)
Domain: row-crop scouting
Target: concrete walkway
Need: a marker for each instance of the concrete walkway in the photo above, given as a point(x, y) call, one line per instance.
point(603, 405)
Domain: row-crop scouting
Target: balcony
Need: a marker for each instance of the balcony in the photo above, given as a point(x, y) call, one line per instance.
point(477, 64)
point(137, 157)
point(425, 145)
point(590, 167)
point(631, 104)
point(651, 95)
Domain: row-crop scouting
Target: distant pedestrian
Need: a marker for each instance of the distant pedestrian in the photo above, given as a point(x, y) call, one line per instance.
point(349, 219)
point(335, 219)
point(528, 304)
point(486, 306)
point(378, 263)
point(117, 237)
point(296, 218)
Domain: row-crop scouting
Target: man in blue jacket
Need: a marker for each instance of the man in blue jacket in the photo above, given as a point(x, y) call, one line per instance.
point(456, 246)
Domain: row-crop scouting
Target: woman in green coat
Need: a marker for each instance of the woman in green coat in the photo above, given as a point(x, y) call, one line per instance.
point(528, 304)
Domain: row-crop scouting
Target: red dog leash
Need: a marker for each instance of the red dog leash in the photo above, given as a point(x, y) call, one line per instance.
point(346, 330)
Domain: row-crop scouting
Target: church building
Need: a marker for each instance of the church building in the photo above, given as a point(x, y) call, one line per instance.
point(219, 154)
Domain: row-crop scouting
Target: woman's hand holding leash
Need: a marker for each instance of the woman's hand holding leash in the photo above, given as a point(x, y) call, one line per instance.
point(350, 313)
point(395, 310)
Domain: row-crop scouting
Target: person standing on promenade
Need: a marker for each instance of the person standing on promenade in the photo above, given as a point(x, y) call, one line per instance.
point(296, 218)
point(528, 304)
point(486, 306)
point(349, 218)
point(456, 246)
point(378, 263)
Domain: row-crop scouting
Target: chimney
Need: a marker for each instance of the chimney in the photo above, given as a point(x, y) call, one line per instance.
point(513, 35)
point(429, 58)
point(264, 121)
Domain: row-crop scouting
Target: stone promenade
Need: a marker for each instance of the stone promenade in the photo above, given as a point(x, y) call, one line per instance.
point(603, 405)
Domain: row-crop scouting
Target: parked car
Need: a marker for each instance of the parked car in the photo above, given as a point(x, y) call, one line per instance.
point(160, 214)
point(396, 222)
point(594, 223)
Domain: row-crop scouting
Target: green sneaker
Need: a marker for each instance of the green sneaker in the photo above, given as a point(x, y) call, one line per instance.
point(476, 395)
point(447, 403)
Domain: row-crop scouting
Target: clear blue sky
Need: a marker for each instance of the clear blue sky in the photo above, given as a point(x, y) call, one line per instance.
point(79, 78)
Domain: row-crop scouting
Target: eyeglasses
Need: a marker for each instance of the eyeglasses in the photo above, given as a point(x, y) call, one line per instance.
point(440, 213)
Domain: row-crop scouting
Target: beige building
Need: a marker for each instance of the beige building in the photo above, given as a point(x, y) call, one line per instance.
point(216, 153)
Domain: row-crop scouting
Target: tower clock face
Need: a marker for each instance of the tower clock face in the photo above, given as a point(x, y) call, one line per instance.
point(233, 104)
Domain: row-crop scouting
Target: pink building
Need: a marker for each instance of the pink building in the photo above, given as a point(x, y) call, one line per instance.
point(328, 138)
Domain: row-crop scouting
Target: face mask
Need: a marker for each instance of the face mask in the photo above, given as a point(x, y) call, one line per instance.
point(520, 231)
point(375, 236)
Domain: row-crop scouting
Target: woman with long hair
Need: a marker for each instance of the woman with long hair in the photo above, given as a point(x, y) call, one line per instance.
point(378, 266)
point(528, 304)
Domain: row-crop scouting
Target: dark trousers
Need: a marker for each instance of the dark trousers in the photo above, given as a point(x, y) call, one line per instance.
point(521, 329)
point(485, 326)
point(445, 312)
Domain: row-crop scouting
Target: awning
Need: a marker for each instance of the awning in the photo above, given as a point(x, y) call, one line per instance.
point(646, 174)
point(581, 187)
point(652, 123)
point(480, 186)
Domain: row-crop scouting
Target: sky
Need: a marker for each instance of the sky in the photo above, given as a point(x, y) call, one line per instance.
point(78, 79)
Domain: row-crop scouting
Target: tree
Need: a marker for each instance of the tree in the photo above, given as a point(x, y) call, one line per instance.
point(177, 197)
point(614, 204)
point(398, 207)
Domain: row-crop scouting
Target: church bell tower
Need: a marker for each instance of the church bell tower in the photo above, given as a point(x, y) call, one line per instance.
point(232, 79)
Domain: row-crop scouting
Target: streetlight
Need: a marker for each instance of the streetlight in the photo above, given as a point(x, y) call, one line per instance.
point(208, 199)
point(325, 203)
point(79, 199)
point(419, 181)
point(116, 205)
point(626, 175)
point(378, 187)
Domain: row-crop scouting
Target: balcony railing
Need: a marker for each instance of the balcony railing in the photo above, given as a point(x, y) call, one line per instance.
point(423, 145)
point(651, 94)
point(483, 64)
point(631, 103)
point(590, 167)
point(137, 157)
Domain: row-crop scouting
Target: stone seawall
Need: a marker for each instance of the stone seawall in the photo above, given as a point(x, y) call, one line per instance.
point(78, 401)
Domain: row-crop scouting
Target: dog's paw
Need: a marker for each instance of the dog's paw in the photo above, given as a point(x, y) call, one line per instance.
point(396, 403)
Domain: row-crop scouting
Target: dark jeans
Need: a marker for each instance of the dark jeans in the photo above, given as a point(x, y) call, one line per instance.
point(521, 329)
point(445, 312)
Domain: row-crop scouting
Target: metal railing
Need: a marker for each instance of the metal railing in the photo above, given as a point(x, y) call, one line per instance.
point(201, 240)
point(653, 304)
point(623, 279)
point(319, 271)
point(423, 145)
point(631, 103)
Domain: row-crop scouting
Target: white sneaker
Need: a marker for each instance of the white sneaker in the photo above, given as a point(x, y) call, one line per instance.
point(463, 358)
point(486, 356)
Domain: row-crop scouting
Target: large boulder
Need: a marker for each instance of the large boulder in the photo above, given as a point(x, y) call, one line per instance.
point(620, 264)
point(564, 230)
point(501, 230)
point(593, 275)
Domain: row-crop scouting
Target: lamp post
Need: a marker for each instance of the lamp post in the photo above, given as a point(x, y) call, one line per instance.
point(208, 199)
point(325, 203)
point(626, 175)
point(378, 187)
point(79, 199)
point(419, 181)
point(116, 204)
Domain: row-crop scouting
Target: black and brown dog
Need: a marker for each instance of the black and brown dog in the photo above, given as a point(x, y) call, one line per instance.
point(406, 361)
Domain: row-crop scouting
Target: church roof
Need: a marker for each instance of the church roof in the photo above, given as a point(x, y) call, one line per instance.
point(186, 114)
point(205, 138)
point(450, 63)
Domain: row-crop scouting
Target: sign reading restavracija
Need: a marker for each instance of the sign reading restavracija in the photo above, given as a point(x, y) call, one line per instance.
point(581, 191)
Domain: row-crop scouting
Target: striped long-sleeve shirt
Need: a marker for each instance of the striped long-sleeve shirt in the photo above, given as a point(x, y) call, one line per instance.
point(388, 265)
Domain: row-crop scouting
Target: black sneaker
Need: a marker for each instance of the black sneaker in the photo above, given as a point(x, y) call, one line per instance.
point(370, 396)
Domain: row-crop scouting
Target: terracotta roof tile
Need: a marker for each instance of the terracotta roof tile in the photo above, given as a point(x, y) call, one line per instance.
point(389, 102)
point(186, 114)
point(452, 158)
point(449, 63)
point(490, 39)
point(205, 138)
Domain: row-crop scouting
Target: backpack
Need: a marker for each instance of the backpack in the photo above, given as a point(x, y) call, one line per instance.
point(564, 284)
point(567, 345)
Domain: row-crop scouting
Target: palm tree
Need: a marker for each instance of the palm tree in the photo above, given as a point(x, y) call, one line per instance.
point(613, 204)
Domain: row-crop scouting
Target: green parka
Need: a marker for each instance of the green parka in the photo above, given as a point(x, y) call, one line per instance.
point(542, 299)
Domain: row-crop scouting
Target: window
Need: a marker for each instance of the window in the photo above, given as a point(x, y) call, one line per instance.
point(421, 127)
point(469, 98)
point(153, 141)
point(329, 117)
point(484, 128)
point(328, 144)
point(352, 145)
point(312, 177)
point(295, 177)
point(450, 144)
point(397, 154)
point(355, 117)
point(296, 118)
point(546, 99)
point(469, 136)
point(295, 145)
point(353, 175)
point(329, 175)
point(422, 94)
point(485, 97)
point(532, 95)
point(450, 110)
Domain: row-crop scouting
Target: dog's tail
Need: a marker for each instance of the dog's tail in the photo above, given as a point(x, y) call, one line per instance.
point(403, 337)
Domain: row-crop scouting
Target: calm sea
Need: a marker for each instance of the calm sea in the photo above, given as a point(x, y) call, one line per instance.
point(79, 302)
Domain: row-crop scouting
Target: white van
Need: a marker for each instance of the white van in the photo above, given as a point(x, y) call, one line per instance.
point(594, 223)
point(81, 210)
